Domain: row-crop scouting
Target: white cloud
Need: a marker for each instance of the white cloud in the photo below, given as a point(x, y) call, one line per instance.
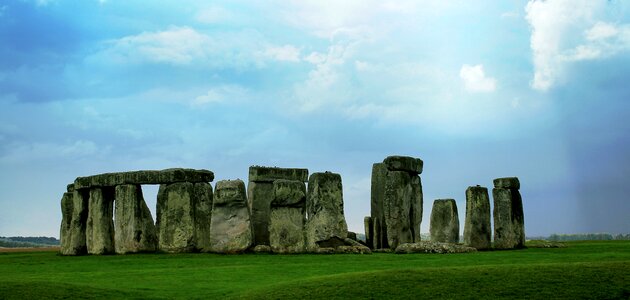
point(475, 79)
point(220, 94)
point(565, 31)
point(283, 53)
point(213, 15)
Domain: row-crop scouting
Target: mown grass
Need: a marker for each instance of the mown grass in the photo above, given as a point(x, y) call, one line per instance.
point(599, 270)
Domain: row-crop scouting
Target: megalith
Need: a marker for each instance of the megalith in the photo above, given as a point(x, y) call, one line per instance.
point(203, 215)
point(509, 228)
point(134, 228)
point(396, 201)
point(260, 194)
point(326, 224)
point(100, 223)
point(288, 215)
point(74, 211)
point(230, 230)
point(477, 230)
point(176, 217)
point(444, 227)
point(368, 226)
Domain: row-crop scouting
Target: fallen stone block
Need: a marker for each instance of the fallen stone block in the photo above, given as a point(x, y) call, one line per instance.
point(432, 247)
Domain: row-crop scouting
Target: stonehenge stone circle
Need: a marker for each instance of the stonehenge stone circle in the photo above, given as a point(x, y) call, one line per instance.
point(260, 194)
point(509, 228)
point(176, 217)
point(396, 201)
point(288, 216)
point(326, 225)
point(134, 228)
point(100, 224)
point(230, 230)
point(203, 215)
point(444, 227)
point(477, 230)
point(74, 209)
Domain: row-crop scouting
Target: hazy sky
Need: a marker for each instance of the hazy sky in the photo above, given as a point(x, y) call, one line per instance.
point(477, 89)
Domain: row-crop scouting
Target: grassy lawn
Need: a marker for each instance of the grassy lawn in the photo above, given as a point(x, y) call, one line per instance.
point(599, 270)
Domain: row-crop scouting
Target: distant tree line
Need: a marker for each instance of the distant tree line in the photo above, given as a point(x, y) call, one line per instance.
point(588, 237)
point(23, 242)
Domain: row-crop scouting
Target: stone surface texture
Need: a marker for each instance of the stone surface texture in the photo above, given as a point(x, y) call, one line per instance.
point(259, 197)
point(271, 174)
point(231, 230)
point(379, 175)
point(507, 183)
point(176, 217)
point(444, 227)
point(288, 216)
point(368, 226)
point(134, 228)
point(74, 209)
point(432, 247)
point(477, 230)
point(203, 215)
point(404, 163)
point(324, 206)
point(509, 227)
point(144, 177)
point(99, 230)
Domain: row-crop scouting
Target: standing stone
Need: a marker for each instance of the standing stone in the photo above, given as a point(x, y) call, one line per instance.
point(368, 226)
point(326, 225)
point(397, 208)
point(203, 215)
point(509, 228)
point(100, 224)
point(477, 231)
point(176, 217)
point(74, 209)
point(415, 215)
point(288, 215)
point(444, 226)
point(379, 175)
point(259, 198)
point(230, 231)
point(135, 231)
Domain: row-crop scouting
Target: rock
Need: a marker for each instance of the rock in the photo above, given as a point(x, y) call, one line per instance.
point(74, 210)
point(268, 174)
point(432, 247)
point(324, 206)
point(176, 217)
point(352, 235)
point(397, 208)
point(70, 188)
point(230, 231)
point(507, 183)
point(509, 228)
point(404, 163)
point(262, 249)
point(203, 215)
point(477, 229)
point(134, 228)
point(379, 177)
point(369, 233)
point(144, 177)
point(444, 226)
point(288, 215)
point(259, 197)
point(99, 231)
point(415, 215)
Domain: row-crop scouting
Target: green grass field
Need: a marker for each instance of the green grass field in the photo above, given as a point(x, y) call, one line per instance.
point(593, 270)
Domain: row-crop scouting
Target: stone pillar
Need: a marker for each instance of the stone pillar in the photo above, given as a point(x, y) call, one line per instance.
point(176, 217)
point(135, 231)
point(100, 224)
point(326, 225)
point(203, 215)
point(74, 211)
point(477, 229)
point(379, 175)
point(444, 226)
point(288, 215)
point(509, 228)
point(368, 226)
point(230, 231)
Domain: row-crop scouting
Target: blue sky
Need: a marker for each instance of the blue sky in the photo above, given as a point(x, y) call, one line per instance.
point(477, 89)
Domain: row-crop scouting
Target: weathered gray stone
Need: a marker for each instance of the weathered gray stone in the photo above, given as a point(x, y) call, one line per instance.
point(509, 228)
point(477, 231)
point(352, 235)
point(507, 183)
point(368, 226)
point(259, 197)
point(230, 231)
point(203, 215)
point(324, 206)
point(176, 217)
point(444, 227)
point(269, 174)
point(379, 177)
point(404, 163)
point(144, 177)
point(432, 247)
point(134, 228)
point(74, 210)
point(399, 194)
point(415, 214)
point(99, 231)
point(70, 188)
point(288, 215)
point(262, 249)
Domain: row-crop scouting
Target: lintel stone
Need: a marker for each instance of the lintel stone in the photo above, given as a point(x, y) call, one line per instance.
point(270, 174)
point(507, 183)
point(144, 177)
point(404, 163)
